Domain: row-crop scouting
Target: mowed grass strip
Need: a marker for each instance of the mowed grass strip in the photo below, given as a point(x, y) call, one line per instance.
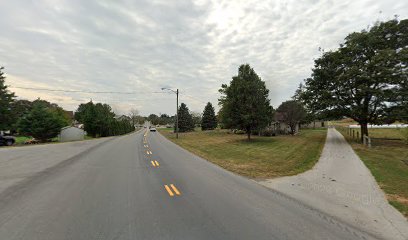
point(388, 162)
point(261, 158)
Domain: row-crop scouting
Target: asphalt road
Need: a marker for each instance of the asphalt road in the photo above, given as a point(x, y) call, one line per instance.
point(116, 192)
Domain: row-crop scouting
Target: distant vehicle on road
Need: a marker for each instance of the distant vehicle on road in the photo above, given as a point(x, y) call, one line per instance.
point(153, 129)
point(7, 140)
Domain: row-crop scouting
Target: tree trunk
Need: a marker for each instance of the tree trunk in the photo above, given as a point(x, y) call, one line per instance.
point(364, 130)
point(248, 130)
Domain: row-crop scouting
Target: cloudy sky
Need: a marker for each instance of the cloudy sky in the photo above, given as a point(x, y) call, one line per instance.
point(142, 46)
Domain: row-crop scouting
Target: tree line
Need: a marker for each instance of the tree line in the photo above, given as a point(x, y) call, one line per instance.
point(43, 120)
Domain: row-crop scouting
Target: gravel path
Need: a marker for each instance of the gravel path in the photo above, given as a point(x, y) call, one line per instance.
point(342, 186)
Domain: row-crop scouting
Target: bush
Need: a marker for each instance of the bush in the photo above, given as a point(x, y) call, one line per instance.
point(41, 123)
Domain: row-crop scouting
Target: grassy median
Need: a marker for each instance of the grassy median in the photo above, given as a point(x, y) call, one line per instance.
point(387, 160)
point(262, 157)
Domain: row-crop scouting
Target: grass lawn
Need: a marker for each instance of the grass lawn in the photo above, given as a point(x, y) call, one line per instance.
point(263, 157)
point(388, 162)
point(21, 139)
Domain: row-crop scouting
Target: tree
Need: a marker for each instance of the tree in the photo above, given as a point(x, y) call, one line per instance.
point(292, 113)
point(209, 120)
point(364, 79)
point(134, 116)
point(6, 100)
point(153, 119)
point(185, 121)
point(244, 103)
point(165, 119)
point(41, 122)
point(98, 119)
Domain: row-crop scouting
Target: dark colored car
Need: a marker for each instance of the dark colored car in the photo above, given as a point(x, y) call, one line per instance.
point(7, 140)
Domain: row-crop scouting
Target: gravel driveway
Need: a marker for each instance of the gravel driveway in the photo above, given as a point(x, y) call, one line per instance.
point(342, 186)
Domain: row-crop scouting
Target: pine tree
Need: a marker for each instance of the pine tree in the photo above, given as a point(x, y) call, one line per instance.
point(185, 121)
point(41, 122)
point(6, 100)
point(244, 103)
point(209, 120)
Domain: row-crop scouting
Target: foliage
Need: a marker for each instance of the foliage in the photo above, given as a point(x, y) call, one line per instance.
point(292, 113)
point(185, 120)
point(209, 120)
point(165, 119)
point(6, 101)
point(42, 122)
point(153, 119)
point(244, 103)
point(365, 78)
point(99, 121)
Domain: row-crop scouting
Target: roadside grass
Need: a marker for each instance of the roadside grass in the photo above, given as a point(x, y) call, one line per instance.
point(262, 157)
point(388, 162)
point(22, 139)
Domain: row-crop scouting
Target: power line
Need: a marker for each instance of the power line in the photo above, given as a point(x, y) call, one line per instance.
point(79, 91)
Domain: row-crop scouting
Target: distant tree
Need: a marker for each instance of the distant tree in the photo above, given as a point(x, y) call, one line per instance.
point(185, 121)
point(209, 120)
point(365, 79)
point(153, 119)
point(41, 122)
point(244, 103)
point(292, 113)
point(196, 116)
point(134, 115)
point(6, 101)
point(165, 119)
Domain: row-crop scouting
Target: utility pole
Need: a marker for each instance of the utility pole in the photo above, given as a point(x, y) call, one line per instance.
point(177, 93)
point(176, 124)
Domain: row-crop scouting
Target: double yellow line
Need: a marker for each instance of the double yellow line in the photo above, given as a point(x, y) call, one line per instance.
point(155, 163)
point(169, 190)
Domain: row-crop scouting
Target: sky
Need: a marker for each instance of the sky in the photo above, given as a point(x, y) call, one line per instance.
point(139, 47)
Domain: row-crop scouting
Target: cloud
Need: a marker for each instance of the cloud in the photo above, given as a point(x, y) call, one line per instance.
point(142, 46)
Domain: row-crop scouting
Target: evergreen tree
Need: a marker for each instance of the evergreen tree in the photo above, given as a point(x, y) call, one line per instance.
point(185, 121)
point(41, 122)
point(244, 103)
point(209, 120)
point(6, 100)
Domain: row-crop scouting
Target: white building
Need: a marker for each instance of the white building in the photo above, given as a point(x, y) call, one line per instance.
point(70, 133)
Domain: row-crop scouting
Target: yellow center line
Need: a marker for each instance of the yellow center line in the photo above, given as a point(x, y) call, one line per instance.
point(175, 189)
point(157, 163)
point(153, 163)
point(169, 190)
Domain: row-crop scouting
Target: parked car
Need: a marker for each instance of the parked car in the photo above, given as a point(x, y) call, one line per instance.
point(153, 129)
point(7, 140)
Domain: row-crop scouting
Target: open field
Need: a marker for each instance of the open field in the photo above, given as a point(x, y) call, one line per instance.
point(263, 157)
point(388, 162)
point(388, 133)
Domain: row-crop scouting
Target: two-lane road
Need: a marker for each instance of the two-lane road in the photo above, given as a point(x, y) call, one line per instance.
point(141, 186)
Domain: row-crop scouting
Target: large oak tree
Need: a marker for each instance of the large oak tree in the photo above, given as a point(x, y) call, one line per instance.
point(365, 79)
